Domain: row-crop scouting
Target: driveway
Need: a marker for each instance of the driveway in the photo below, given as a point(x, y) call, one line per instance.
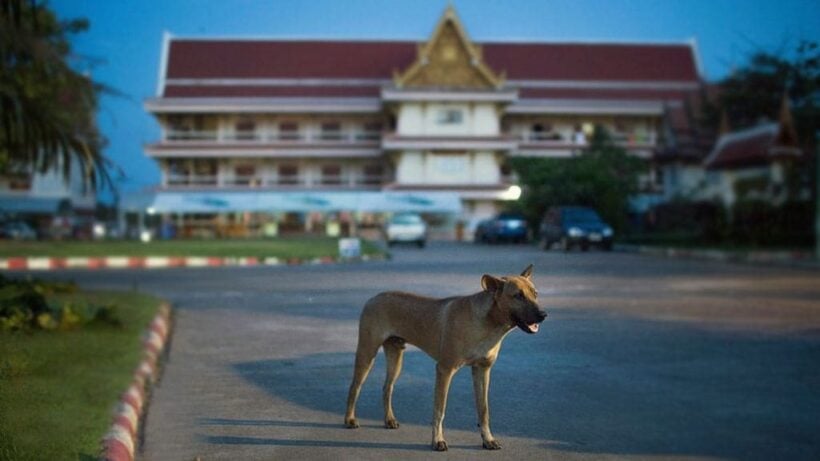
point(640, 358)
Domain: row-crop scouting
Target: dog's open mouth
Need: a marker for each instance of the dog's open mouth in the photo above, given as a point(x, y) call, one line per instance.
point(529, 328)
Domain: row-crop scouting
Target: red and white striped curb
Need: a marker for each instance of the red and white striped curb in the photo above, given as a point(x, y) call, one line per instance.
point(119, 444)
point(157, 262)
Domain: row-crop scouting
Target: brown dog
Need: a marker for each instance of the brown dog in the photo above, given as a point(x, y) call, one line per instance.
point(458, 331)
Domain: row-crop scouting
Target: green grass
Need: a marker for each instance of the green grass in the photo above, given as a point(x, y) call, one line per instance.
point(58, 389)
point(304, 247)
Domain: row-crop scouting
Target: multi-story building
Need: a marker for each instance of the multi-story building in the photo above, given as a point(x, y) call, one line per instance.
point(305, 132)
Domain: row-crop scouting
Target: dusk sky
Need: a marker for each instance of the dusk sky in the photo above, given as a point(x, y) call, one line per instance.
point(125, 37)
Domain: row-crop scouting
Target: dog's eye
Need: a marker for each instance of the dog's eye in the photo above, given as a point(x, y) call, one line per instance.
point(519, 295)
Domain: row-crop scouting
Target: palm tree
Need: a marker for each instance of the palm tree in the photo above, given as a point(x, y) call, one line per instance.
point(46, 108)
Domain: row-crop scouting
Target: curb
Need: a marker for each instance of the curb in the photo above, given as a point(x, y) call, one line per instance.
point(162, 262)
point(120, 443)
point(801, 259)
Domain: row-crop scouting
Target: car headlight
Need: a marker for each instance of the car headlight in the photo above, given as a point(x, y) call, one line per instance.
point(575, 232)
point(607, 232)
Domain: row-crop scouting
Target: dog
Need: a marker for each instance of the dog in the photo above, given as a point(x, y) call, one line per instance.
point(457, 331)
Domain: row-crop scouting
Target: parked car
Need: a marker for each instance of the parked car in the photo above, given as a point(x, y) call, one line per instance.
point(17, 230)
point(570, 226)
point(406, 227)
point(505, 227)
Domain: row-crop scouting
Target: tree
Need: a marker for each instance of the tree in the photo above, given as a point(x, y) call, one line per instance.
point(603, 177)
point(755, 91)
point(46, 108)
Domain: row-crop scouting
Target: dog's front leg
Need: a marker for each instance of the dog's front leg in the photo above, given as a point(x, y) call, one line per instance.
point(443, 377)
point(481, 386)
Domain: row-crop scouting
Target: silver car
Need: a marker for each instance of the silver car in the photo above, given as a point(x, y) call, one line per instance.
point(408, 228)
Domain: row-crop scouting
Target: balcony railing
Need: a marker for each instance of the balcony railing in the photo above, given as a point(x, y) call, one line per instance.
point(174, 136)
point(261, 181)
point(191, 180)
point(558, 139)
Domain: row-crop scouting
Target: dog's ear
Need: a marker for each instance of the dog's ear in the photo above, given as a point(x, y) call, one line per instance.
point(490, 283)
point(527, 272)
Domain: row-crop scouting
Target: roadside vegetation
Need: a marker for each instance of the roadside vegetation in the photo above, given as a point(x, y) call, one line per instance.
point(66, 357)
point(296, 247)
point(602, 177)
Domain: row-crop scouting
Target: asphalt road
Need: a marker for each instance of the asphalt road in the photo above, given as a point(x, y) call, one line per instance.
point(640, 358)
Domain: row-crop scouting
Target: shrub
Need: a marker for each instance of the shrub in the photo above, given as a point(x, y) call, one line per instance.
point(32, 304)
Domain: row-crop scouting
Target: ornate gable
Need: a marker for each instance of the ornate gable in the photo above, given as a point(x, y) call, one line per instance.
point(449, 59)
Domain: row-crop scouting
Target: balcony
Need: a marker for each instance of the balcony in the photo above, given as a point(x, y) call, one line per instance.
point(256, 137)
point(556, 139)
point(345, 181)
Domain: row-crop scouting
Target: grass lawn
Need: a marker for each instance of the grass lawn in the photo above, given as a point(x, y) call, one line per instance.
point(58, 389)
point(296, 247)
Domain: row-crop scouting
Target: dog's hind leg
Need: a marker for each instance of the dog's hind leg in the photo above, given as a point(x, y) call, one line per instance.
point(393, 353)
point(365, 355)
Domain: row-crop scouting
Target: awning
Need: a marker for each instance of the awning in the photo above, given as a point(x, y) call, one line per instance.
point(34, 205)
point(223, 202)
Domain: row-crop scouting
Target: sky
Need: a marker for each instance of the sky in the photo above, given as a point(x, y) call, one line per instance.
point(122, 47)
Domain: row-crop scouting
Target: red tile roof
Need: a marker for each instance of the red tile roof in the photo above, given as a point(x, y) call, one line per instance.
point(593, 61)
point(375, 60)
point(751, 147)
point(286, 58)
point(237, 91)
point(630, 94)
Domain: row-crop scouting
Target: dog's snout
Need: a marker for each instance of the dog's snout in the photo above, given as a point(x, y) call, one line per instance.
point(542, 314)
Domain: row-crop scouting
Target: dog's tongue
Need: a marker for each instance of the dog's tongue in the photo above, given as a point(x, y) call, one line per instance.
point(533, 327)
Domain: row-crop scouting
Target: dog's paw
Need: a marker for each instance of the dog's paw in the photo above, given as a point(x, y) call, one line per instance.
point(440, 446)
point(391, 424)
point(491, 445)
point(351, 423)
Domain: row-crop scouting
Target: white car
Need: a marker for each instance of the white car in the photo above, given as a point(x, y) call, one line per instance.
point(406, 227)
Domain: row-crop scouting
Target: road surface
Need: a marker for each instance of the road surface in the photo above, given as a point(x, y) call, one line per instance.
point(640, 358)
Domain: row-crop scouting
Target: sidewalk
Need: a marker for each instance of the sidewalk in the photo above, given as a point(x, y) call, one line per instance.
point(796, 259)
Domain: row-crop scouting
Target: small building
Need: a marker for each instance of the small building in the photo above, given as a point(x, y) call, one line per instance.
point(51, 205)
point(263, 136)
point(754, 163)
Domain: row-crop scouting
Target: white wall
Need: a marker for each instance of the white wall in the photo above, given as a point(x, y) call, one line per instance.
point(423, 119)
point(415, 167)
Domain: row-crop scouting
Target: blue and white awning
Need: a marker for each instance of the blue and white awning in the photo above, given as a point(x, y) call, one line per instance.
point(225, 202)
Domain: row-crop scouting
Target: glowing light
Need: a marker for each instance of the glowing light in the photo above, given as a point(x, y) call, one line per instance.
point(513, 193)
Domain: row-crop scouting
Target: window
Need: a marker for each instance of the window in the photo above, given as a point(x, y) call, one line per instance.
point(372, 131)
point(449, 117)
point(20, 181)
point(204, 171)
point(450, 164)
point(331, 131)
point(373, 175)
point(245, 130)
point(288, 175)
point(244, 175)
point(331, 175)
point(178, 171)
point(289, 131)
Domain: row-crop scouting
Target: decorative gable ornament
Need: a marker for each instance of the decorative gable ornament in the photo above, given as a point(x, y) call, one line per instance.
point(449, 60)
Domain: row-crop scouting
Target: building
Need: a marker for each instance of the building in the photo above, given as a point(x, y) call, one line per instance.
point(263, 136)
point(49, 204)
point(751, 163)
